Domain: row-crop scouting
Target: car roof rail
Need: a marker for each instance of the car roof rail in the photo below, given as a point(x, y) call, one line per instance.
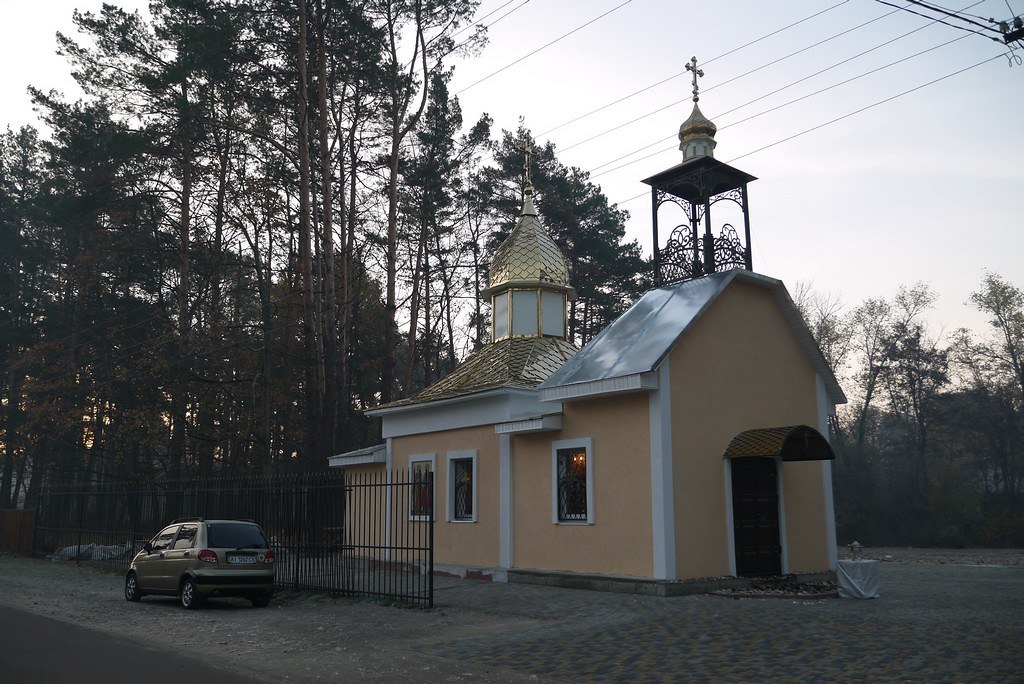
point(192, 519)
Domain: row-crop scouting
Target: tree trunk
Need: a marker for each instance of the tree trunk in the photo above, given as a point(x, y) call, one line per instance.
point(330, 316)
point(311, 450)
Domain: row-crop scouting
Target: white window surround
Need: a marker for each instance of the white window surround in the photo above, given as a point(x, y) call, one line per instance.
point(450, 488)
point(587, 444)
point(423, 458)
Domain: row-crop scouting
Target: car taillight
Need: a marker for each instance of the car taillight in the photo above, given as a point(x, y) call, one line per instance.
point(268, 557)
point(207, 556)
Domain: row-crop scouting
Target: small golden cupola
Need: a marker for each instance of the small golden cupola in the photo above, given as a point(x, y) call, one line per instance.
point(697, 133)
point(529, 280)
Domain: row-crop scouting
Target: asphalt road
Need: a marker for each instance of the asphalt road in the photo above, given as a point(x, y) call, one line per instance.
point(39, 649)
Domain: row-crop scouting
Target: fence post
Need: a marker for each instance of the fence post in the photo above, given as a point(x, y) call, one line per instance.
point(430, 544)
point(133, 514)
point(299, 495)
point(35, 521)
point(81, 513)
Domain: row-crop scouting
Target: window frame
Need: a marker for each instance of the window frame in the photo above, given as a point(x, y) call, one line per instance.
point(501, 309)
point(154, 544)
point(587, 444)
point(432, 460)
point(177, 537)
point(452, 456)
point(559, 309)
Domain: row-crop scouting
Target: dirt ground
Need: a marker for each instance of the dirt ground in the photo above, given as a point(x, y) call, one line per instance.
point(1005, 557)
point(299, 637)
point(308, 637)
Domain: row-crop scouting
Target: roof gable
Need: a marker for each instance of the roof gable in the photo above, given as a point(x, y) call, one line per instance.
point(637, 342)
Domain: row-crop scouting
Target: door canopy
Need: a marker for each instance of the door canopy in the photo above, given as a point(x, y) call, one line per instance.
point(792, 443)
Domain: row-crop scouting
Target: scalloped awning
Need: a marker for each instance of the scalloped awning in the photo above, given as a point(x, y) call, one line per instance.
point(791, 443)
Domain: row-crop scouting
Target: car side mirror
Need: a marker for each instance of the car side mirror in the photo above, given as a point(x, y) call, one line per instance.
point(148, 548)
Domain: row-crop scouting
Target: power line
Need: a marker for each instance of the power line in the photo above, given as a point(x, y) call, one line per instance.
point(777, 90)
point(841, 118)
point(543, 47)
point(481, 19)
point(946, 23)
point(836, 85)
point(673, 76)
point(864, 109)
point(955, 15)
point(734, 78)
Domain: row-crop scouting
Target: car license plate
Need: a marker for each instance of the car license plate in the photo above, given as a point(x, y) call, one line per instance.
point(242, 560)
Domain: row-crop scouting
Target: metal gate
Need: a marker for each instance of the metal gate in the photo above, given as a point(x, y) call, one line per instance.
point(365, 535)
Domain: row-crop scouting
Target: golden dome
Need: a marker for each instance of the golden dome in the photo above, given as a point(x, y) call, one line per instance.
point(697, 124)
point(528, 255)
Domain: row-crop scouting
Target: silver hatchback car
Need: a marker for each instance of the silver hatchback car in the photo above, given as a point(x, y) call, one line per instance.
point(195, 559)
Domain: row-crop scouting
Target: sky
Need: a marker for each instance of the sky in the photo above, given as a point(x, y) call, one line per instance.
point(878, 164)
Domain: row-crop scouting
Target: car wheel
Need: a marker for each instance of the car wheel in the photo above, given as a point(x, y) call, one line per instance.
point(260, 601)
point(131, 588)
point(189, 596)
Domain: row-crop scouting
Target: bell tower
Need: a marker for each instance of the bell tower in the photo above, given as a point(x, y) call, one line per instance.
point(694, 247)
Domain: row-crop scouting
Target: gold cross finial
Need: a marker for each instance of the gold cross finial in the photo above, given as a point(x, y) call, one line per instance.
point(527, 150)
point(692, 66)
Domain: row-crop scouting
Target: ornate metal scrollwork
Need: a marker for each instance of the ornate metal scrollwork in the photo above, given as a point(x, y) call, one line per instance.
point(729, 251)
point(680, 259)
point(735, 195)
point(677, 257)
point(666, 198)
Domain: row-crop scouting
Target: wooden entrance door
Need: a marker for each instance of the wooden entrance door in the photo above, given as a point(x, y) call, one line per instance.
point(755, 514)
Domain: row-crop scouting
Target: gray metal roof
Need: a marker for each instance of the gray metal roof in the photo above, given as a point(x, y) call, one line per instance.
point(639, 339)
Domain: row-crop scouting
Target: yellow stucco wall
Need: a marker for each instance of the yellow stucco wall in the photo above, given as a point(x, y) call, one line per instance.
point(460, 543)
point(739, 368)
point(805, 516)
point(619, 540)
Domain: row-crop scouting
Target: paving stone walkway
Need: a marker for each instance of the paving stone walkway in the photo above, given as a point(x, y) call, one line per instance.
point(931, 623)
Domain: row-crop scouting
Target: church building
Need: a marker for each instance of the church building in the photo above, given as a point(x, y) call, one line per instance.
point(687, 440)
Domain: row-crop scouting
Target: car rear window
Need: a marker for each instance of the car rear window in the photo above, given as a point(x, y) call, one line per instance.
point(236, 536)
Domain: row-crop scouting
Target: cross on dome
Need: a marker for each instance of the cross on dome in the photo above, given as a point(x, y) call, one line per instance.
point(692, 66)
point(527, 151)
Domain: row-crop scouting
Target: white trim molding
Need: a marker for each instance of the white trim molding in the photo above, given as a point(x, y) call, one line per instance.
point(825, 409)
point(780, 485)
point(594, 388)
point(663, 517)
point(487, 407)
point(547, 423)
point(505, 510)
point(374, 454)
point(730, 521)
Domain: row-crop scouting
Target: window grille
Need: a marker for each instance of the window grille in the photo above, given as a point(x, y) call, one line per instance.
point(422, 491)
point(462, 486)
point(572, 484)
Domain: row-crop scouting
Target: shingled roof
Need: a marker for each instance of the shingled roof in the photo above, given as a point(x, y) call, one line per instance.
point(519, 362)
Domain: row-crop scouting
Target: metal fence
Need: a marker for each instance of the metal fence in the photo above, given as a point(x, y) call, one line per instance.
point(369, 534)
